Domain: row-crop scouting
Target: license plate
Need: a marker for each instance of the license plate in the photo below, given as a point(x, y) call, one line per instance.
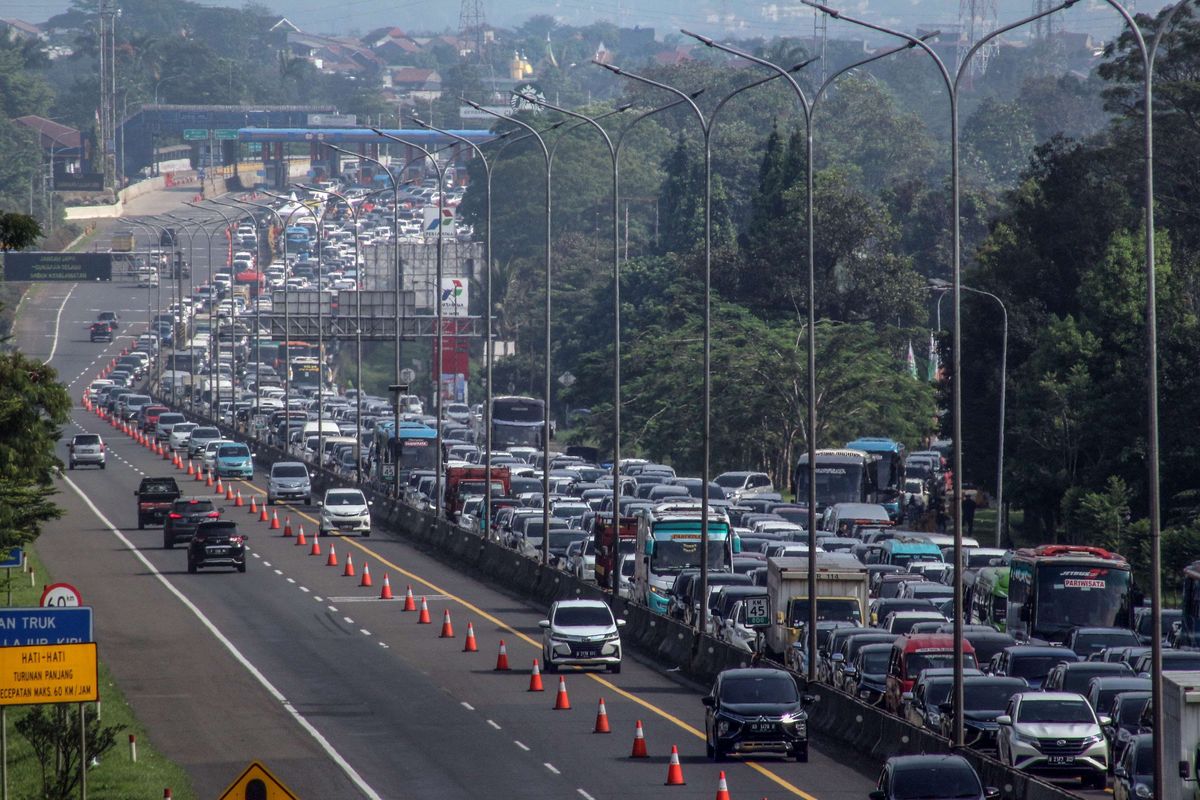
point(346, 525)
point(762, 727)
point(1060, 760)
point(587, 653)
point(217, 551)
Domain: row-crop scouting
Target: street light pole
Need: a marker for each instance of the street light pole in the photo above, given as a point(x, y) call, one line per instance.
point(952, 84)
point(214, 316)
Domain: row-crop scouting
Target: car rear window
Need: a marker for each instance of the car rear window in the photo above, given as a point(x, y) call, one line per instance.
point(170, 419)
point(194, 505)
point(87, 438)
point(759, 689)
point(205, 433)
point(289, 471)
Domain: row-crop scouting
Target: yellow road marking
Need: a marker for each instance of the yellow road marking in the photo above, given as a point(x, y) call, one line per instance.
point(663, 713)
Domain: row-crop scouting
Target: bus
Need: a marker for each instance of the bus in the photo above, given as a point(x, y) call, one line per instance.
point(306, 373)
point(989, 598)
point(668, 542)
point(254, 281)
point(1189, 626)
point(415, 449)
point(843, 476)
point(289, 350)
point(888, 465)
point(517, 422)
point(1054, 588)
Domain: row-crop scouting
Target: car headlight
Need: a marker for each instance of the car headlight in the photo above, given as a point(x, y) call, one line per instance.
point(1096, 739)
point(1142, 790)
point(658, 591)
point(1025, 738)
point(723, 727)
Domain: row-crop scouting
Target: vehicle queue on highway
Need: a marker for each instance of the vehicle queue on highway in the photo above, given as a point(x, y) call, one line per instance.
point(1056, 639)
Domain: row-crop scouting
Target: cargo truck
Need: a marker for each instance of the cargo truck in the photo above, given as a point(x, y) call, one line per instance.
point(463, 482)
point(841, 595)
point(1181, 735)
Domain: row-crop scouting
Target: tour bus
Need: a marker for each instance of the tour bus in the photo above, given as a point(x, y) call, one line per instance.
point(843, 476)
point(989, 598)
point(1055, 588)
point(416, 448)
point(668, 542)
point(517, 422)
point(306, 373)
point(1189, 625)
point(888, 465)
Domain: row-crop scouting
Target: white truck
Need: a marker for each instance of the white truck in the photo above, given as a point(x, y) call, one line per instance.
point(841, 595)
point(1181, 734)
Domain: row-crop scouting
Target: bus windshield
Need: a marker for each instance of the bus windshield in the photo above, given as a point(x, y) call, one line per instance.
point(836, 483)
point(673, 555)
point(1076, 595)
point(418, 453)
point(516, 435)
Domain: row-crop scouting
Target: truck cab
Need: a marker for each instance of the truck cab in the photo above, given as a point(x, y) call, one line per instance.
point(841, 595)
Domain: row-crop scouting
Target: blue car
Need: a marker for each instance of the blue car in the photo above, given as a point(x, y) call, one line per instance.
point(235, 461)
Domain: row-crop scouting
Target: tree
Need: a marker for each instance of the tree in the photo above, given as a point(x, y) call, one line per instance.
point(18, 231)
point(997, 139)
point(53, 731)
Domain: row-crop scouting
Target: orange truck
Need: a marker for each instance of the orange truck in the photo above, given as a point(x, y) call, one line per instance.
point(464, 482)
point(609, 545)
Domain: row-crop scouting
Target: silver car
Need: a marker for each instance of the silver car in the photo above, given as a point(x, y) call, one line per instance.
point(200, 438)
point(1054, 734)
point(289, 480)
point(86, 448)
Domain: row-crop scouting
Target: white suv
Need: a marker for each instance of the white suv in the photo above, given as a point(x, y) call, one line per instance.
point(582, 633)
point(345, 511)
point(1054, 734)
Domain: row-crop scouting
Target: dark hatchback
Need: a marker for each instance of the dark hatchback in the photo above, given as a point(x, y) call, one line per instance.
point(217, 544)
point(100, 332)
point(930, 778)
point(985, 697)
point(752, 711)
point(185, 516)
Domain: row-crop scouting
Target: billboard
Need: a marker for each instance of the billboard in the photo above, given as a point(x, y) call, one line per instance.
point(78, 181)
point(36, 265)
point(454, 297)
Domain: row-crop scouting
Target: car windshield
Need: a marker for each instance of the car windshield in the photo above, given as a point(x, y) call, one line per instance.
point(932, 659)
point(876, 661)
point(194, 506)
point(583, 616)
point(289, 471)
point(345, 499)
point(1131, 711)
point(934, 781)
point(987, 697)
point(1143, 759)
point(1033, 666)
point(1064, 711)
point(561, 540)
point(87, 438)
point(937, 691)
point(759, 689)
point(233, 451)
point(731, 481)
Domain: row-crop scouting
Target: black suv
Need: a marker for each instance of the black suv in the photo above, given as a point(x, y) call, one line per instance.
point(217, 544)
point(756, 711)
point(185, 516)
point(101, 332)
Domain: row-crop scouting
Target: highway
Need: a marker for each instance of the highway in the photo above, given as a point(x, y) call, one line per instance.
point(340, 694)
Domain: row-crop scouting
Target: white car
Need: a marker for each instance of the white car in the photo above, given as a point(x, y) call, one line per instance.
point(625, 575)
point(345, 511)
point(210, 453)
point(581, 633)
point(1054, 734)
point(180, 433)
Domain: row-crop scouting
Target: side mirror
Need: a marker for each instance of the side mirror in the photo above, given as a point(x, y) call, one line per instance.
point(877, 794)
point(319, 503)
point(946, 708)
point(370, 502)
point(991, 792)
point(837, 658)
point(906, 697)
point(810, 699)
point(1106, 721)
point(620, 623)
point(709, 700)
point(1004, 719)
point(544, 623)
point(1119, 771)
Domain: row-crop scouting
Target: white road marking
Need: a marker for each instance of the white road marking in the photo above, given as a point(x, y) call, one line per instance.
point(364, 631)
point(383, 645)
point(318, 599)
point(348, 620)
point(304, 589)
point(551, 767)
point(332, 608)
point(520, 745)
point(493, 724)
point(291, 580)
point(57, 320)
point(468, 706)
point(308, 727)
point(278, 572)
point(585, 795)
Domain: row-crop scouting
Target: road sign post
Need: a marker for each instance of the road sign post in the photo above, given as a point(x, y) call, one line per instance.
point(195, 134)
point(9, 560)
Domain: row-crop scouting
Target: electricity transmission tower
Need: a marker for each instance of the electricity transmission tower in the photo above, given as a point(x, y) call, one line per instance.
point(975, 19)
point(472, 27)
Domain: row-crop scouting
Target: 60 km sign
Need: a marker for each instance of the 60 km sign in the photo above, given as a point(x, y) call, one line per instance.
point(61, 595)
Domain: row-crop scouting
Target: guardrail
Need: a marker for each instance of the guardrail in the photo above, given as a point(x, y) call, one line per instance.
point(839, 716)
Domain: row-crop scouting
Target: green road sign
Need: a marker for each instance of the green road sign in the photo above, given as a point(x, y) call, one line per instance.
point(194, 134)
point(225, 133)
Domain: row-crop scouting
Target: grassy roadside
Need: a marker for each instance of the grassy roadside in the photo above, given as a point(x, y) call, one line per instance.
point(116, 777)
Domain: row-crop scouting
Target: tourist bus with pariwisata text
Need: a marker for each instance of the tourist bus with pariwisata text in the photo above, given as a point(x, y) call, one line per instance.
point(1055, 588)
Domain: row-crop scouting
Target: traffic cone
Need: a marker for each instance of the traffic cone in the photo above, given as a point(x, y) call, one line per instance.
point(386, 592)
point(674, 771)
point(238, 500)
point(262, 516)
point(366, 575)
point(274, 520)
point(409, 603)
point(447, 628)
point(191, 468)
point(348, 572)
point(722, 787)
point(287, 525)
point(470, 646)
point(601, 719)
point(300, 539)
point(561, 701)
point(253, 506)
point(535, 679)
point(332, 561)
point(197, 474)
point(316, 547)
point(502, 658)
point(639, 742)
point(423, 619)
point(208, 480)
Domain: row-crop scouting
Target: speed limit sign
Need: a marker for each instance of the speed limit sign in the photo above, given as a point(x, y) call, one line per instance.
point(61, 595)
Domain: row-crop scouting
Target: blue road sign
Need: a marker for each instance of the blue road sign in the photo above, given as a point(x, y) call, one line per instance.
point(10, 558)
point(26, 626)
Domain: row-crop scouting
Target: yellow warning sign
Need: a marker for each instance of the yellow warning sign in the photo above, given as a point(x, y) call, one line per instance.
point(48, 673)
point(257, 783)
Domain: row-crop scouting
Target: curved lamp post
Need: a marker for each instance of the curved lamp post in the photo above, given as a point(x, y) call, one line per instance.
point(192, 226)
point(214, 308)
point(952, 83)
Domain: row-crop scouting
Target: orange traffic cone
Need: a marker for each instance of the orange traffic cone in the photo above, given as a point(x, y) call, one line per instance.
point(253, 507)
point(197, 474)
point(386, 592)
point(262, 515)
point(447, 628)
point(316, 547)
point(287, 525)
point(208, 481)
point(300, 538)
point(561, 701)
point(423, 619)
point(274, 520)
point(722, 787)
point(238, 500)
point(601, 719)
point(535, 679)
point(409, 603)
point(502, 658)
point(366, 575)
point(348, 572)
point(191, 468)
point(332, 561)
point(470, 646)
point(639, 742)
point(674, 771)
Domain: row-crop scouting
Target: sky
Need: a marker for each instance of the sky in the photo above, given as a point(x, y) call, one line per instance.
point(741, 18)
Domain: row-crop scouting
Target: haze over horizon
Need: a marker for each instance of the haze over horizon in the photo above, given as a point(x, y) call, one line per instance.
point(736, 18)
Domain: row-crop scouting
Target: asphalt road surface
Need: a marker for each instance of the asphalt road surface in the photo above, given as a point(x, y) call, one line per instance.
point(340, 694)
